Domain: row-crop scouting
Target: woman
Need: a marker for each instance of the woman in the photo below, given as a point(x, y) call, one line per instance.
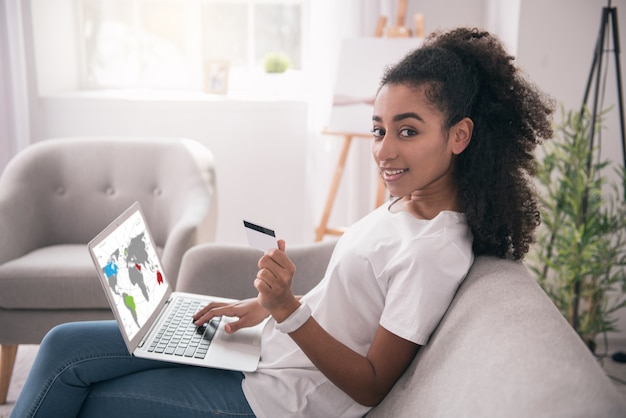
point(454, 127)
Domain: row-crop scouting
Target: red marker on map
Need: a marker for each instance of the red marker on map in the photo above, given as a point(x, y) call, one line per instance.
point(138, 267)
point(159, 277)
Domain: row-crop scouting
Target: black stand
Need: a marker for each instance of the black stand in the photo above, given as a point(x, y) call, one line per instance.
point(609, 16)
point(609, 19)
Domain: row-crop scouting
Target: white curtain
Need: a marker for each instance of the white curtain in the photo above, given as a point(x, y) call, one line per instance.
point(503, 20)
point(14, 96)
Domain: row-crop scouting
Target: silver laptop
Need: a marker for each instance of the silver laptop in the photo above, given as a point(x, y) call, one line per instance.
point(155, 322)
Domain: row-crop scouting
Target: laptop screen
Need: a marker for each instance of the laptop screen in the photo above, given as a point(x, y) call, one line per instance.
point(136, 283)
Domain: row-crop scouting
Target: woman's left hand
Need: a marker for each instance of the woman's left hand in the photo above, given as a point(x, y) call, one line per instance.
point(273, 281)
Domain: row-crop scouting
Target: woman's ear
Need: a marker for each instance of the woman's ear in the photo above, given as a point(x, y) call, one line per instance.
point(461, 135)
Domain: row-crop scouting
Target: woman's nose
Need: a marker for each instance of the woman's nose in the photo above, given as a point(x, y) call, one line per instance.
point(383, 149)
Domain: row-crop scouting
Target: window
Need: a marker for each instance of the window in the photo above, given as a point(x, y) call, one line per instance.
point(243, 32)
point(165, 43)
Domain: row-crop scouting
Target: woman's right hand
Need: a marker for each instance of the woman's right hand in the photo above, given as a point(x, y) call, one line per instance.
point(249, 312)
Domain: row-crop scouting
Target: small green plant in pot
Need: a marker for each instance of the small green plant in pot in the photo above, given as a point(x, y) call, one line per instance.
point(580, 255)
point(276, 62)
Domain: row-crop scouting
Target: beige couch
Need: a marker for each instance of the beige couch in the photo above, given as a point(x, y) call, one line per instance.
point(502, 349)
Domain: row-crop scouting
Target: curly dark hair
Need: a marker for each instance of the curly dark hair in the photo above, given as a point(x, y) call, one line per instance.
point(468, 73)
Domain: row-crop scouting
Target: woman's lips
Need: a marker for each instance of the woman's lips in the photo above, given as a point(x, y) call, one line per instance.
point(392, 174)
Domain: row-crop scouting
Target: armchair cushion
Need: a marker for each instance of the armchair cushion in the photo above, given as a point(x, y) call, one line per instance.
point(26, 280)
point(42, 280)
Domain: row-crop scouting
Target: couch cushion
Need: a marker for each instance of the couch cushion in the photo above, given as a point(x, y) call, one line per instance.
point(25, 281)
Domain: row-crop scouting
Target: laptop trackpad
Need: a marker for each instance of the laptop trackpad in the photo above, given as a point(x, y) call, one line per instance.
point(248, 336)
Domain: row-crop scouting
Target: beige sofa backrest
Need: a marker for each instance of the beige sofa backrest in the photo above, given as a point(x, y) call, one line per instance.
point(503, 350)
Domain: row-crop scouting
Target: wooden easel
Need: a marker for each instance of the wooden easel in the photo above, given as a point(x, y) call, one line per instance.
point(397, 31)
point(323, 228)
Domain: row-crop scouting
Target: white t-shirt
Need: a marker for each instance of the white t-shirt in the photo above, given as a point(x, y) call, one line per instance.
point(388, 269)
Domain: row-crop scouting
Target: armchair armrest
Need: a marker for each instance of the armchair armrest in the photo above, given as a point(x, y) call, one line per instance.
point(229, 270)
point(195, 226)
point(22, 222)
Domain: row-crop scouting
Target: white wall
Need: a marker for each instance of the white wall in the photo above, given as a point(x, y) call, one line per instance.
point(14, 119)
point(259, 150)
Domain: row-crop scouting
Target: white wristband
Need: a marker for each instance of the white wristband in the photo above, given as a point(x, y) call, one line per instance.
point(295, 320)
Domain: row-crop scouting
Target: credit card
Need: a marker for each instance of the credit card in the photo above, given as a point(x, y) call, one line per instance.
point(260, 237)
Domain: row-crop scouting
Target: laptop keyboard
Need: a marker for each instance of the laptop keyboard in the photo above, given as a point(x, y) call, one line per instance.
point(179, 336)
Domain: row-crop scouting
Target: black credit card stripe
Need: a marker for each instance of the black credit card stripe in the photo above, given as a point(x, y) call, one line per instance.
point(259, 228)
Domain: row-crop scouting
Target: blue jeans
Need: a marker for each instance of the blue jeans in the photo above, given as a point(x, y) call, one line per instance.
point(83, 369)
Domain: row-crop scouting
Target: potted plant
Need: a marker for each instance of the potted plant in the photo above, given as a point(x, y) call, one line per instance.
point(276, 62)
point(581, 253)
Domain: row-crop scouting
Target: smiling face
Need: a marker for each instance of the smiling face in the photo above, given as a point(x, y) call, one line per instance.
point(413, 151)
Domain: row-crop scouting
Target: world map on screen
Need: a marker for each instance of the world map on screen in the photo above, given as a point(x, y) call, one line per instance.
point(133, 272)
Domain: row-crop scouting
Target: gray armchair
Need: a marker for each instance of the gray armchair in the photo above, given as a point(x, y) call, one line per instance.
point(56, 195)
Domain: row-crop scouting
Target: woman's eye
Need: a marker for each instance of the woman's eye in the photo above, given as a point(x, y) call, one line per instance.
point(378, 132)
point(408, 132)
